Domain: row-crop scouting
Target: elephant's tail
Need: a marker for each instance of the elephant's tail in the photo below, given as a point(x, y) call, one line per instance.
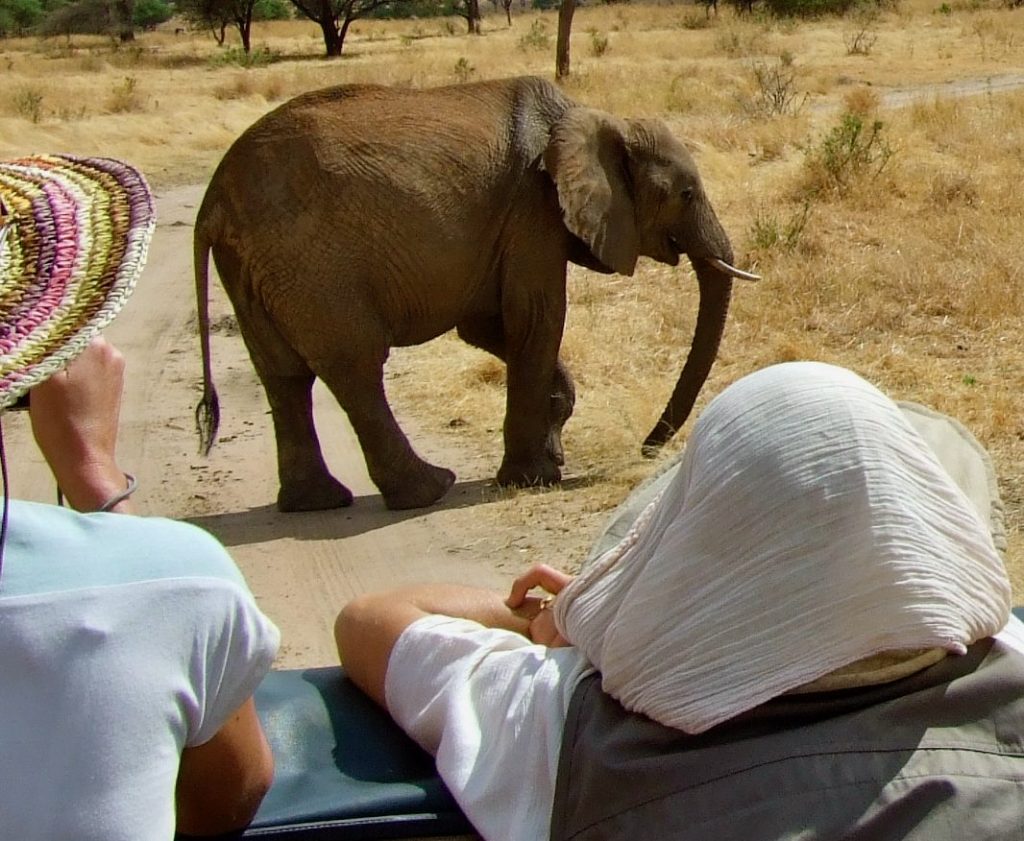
point(208, 409)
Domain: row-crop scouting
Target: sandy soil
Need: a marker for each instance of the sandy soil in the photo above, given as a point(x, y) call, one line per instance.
point(301, 567)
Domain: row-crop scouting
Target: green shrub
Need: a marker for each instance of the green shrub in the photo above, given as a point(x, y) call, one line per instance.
point(272, 10)
point(147, 14)
point(850, 150)
point(260, 57)
point(463, 69)
point(537, 38)
point(28, 103)
point(125, 97)
point(768, 232)
point(88, 17)
point(18, 17)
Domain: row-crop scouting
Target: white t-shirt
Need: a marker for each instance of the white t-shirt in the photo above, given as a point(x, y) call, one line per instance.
point(490, 705)
point(123, 640)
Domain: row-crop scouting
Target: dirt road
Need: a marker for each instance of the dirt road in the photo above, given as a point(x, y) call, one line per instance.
point(301, 567)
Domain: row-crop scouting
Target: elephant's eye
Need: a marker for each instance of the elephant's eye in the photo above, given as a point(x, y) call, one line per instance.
point(687, 194)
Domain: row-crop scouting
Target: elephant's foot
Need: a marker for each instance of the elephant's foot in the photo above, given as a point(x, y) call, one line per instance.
point(423, 488)
point(524, 474)
point(314, 495)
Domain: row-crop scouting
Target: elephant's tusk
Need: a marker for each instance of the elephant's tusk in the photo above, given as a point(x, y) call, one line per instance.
point(722, 266)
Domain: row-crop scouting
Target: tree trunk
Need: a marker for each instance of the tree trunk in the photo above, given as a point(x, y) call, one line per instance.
point(328, 21)
point(125, 28)
point(332, 40)
point(473, 16)
point(565, 13)
point(343, 32)
point(245, 32)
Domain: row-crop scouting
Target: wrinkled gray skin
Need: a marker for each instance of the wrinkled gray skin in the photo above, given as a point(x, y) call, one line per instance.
point(355, 219)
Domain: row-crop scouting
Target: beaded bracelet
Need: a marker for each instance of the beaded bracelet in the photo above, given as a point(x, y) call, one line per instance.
point(122, 495)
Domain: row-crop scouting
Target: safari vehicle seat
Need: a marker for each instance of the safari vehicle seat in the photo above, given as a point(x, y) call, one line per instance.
point(344, 770)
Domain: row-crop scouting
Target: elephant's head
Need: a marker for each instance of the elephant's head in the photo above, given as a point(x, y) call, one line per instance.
point(629, 188)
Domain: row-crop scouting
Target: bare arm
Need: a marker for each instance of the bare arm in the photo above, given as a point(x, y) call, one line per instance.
point(74, 420)
point(222, 782)
point(369, 626)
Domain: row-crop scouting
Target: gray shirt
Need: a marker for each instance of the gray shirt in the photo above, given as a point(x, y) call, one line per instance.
point(937, 756)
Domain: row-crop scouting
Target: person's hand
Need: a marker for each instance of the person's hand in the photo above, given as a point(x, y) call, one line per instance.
point(75, 419)
point(542, 621)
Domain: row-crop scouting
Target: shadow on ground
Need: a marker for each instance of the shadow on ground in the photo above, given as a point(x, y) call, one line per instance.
point(366, 514)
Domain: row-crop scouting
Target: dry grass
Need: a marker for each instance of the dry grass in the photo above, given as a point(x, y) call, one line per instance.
point(908, 269)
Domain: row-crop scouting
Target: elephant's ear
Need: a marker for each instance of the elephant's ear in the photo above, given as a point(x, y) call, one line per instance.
point(587, 159)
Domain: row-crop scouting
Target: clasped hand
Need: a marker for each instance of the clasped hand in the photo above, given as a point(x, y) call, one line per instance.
point(538, 610)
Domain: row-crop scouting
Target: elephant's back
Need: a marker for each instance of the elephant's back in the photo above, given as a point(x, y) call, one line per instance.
point(360, 118)
point(370, 143)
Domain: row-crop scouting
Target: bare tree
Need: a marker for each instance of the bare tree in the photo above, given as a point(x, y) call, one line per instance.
point(565, 13)
point(123, 13)
point(218, 15)
point(468, 10)
point(507, 6)
point(109, 17)
point(336, 16)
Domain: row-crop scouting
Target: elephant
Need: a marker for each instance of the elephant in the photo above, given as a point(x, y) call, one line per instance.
point(357, 218)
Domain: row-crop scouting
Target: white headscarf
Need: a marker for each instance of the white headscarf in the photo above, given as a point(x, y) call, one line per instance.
point(809, 526)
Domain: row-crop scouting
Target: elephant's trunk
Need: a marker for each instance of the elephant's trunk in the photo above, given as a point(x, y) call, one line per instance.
point(715, 290)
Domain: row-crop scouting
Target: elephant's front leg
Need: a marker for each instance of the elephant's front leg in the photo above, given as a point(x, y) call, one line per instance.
point(539, 400)
point(404, 479)
point(487, 333)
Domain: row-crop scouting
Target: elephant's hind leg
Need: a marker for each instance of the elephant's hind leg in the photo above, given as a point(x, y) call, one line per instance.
point(305, 482)
point(404, 479)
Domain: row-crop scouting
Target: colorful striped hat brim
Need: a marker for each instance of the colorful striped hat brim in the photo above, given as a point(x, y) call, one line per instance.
point(76, 240)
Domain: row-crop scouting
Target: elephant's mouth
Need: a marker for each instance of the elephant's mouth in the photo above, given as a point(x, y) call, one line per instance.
point(675, 248)
point(672, 250)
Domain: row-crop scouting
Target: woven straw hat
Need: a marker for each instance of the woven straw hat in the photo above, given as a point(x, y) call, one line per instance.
point(73, 240)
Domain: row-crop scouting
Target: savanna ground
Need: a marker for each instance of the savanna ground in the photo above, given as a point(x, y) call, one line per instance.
point(867, 167)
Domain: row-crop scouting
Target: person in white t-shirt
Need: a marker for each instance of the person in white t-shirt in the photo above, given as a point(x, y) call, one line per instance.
point(809, 541)
point(130, 647)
